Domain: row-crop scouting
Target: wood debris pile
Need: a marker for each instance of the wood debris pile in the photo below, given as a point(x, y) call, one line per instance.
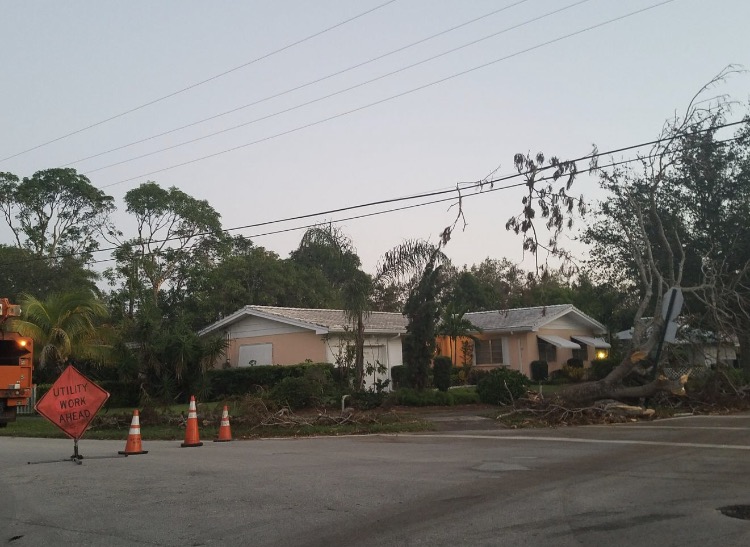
point(537, 411)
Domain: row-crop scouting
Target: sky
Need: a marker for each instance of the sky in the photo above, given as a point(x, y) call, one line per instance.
point(423, 113)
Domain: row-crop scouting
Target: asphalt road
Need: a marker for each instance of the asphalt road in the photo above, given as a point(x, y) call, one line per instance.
point(658, 483)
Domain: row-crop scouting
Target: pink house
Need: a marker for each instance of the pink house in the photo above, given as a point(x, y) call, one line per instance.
point(268, 335)
point(514, 338)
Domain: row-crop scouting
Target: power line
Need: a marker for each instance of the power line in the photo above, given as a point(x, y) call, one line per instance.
point(392, 97)
point(413, 206)
point(467, 186)
point(335, 93)
point(297, 88)
point(200, 83)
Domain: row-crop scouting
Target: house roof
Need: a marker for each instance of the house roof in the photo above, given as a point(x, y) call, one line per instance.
point(320, 320)
point(529, 319)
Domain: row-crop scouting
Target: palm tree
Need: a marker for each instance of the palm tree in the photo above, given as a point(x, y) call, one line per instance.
point(65, 326)
point(454, 325)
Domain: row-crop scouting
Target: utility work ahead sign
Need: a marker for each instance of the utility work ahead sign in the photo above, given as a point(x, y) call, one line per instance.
point(72, 402)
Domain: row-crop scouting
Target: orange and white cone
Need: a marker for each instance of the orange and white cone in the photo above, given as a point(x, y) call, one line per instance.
point(225, 432)
point(133, 444)
point(191, 431)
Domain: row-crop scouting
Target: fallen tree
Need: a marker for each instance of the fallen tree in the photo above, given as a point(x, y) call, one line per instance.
point(672, 217)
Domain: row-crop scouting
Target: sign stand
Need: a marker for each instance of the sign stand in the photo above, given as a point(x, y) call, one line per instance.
point(76, 457)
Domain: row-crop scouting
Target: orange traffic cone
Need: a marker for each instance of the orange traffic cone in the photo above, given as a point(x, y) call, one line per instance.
point(225, 432)
point(191, 431)
point(133, 444)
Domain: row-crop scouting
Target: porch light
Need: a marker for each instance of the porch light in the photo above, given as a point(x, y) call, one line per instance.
point(601, 354)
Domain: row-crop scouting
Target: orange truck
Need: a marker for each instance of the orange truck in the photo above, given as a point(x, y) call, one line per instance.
point(16, 365)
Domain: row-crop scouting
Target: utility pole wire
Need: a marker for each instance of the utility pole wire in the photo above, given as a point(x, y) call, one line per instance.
point(297, 88)
point(200, 83)
point(335, 93)
point(392, 97)
point(480, 185)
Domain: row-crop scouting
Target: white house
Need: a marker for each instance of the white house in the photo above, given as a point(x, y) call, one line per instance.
point(268, 335)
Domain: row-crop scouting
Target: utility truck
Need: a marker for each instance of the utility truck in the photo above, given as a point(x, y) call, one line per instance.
point(16, 365)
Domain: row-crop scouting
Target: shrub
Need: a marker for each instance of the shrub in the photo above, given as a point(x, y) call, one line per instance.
point(441, 372)
point(121, 394)
point(476, 374)
point(457, 376)
point(240, 381)
point(574, 362)
point(539, 371)
point(558, 377)
point(398, 376)
point(600, 368)
point(574, 374)
point(295, 393)
point(366, 400)
point(502, 386)
point(464, 396)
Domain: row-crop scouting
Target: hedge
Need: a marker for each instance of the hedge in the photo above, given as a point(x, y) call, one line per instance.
point(441, 372)
point(502, 386)
point(427, 397)
point(239, 381)
point(121, 394)
point(539, 371)
point(398, 376)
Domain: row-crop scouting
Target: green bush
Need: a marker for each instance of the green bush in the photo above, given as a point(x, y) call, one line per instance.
point(342, 376)
point(366, 400)
point(574, 362)
point(240, 381)
point(573, 373)
point(295, 393)
point(476, 374)
point(558, 377)
point(457, 376)
point(121, 394)
point(539, 371)
point(398, 376)
point(502, 386)
point(600, 368)
point(441, 372)
point(464, 396)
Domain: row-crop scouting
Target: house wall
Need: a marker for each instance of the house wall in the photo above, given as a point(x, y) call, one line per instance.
point(287, 349)
point(384, 349)
point(521, 348)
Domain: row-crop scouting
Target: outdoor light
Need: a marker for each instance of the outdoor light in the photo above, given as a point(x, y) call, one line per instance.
point(601, 354)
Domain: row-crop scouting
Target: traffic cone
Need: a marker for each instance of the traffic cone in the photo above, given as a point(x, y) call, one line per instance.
point(225, 432)
point(133, 444)
point(191, 431)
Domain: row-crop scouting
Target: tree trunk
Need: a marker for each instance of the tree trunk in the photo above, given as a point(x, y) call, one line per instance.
point(611, 387)
point(593, 391)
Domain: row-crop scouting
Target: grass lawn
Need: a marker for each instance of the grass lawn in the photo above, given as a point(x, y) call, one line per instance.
point(36, 426)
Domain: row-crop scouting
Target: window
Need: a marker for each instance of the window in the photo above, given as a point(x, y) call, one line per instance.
point(255, 354)
point(582, 354)
point(547, 352)
point(489, 352)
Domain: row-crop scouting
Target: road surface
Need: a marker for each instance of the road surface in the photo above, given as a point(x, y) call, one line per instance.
point(658, 483)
